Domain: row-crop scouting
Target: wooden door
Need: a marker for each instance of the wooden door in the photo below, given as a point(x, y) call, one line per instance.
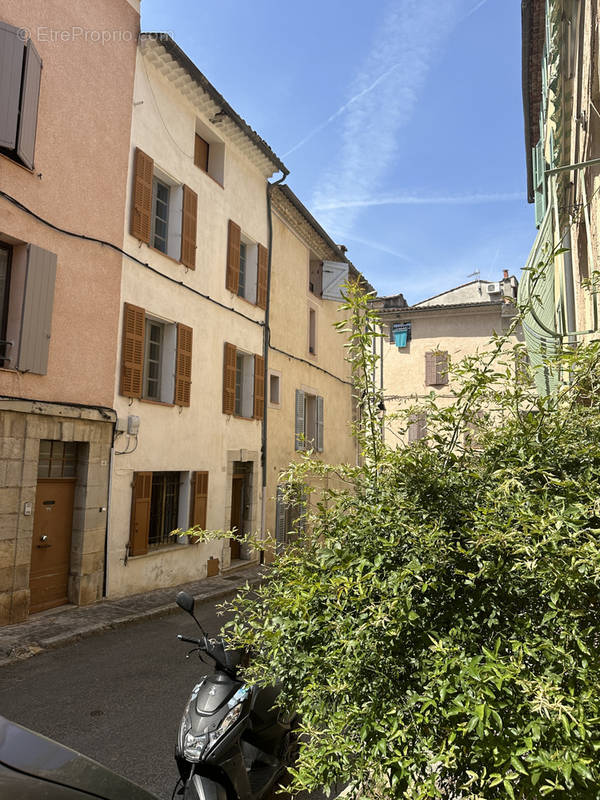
point(238, 491)
point(51, 545)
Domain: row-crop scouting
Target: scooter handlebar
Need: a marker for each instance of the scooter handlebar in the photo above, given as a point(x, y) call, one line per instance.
point(199, 642)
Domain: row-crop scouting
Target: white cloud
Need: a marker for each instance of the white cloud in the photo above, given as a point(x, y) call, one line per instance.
point(418, 200)
point(383, 99)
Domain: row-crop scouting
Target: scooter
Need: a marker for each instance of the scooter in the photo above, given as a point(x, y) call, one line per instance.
point(233, 743)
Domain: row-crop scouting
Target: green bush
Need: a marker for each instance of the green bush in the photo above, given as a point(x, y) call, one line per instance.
point(437, 628)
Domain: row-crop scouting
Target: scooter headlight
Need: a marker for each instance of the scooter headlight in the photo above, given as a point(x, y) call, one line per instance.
point(193, 746)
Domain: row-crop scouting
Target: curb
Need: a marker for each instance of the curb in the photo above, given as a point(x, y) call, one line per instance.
point(28, 650)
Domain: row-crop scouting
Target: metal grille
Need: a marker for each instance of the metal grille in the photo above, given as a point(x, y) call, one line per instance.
point(164, 508)
point(57, 459)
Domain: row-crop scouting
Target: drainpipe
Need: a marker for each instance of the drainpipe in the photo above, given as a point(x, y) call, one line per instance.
point(266, 341)
point(111, 459)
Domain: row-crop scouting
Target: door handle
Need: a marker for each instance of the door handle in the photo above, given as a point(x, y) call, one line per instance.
point(44, 541)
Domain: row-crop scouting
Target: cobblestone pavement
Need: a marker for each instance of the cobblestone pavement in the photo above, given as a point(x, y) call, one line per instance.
point(67, 624)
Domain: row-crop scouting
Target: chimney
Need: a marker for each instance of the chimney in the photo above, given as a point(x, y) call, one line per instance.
point(343, 248)
point(505, 274)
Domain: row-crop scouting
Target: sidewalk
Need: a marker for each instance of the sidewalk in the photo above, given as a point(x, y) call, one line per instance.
point(58, 627)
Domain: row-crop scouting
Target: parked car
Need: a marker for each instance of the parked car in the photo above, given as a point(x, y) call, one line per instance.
point(33, 767)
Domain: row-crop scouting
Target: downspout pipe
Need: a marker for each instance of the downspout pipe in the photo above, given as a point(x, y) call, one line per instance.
point(266, 342)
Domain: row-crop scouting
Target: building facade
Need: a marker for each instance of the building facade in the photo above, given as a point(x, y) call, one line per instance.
point(561, 98)
point(190, 374)
point(420, 341)
point(62, 158)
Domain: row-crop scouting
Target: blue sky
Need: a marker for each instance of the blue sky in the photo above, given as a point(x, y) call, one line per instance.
point(400, 122)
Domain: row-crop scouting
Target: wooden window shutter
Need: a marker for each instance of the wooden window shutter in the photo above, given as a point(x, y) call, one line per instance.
point(183, 365)
point(299, 443)
point(201, 148)
point(259, 387)
point(417, 428)
point(188, 228)
point(199, 499)
point(430, 369)
point(11, 70)
point(262, 277)
point(38, 302)
point(441, 368)
point(229, 370)
point(140, 513)
point(319, 426)
point(141, 201)
point(232, 276)
point(30, 97)
point(132, 351)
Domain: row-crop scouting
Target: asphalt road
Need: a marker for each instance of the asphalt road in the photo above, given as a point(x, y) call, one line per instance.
point(116, 696)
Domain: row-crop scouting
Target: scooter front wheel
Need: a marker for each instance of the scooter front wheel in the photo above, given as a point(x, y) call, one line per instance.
point(201, 788)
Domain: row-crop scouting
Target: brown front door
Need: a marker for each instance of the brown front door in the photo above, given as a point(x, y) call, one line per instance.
point(51, 546)
point(238, 491)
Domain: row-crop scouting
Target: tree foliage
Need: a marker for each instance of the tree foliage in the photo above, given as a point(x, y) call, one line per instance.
point(437, 626)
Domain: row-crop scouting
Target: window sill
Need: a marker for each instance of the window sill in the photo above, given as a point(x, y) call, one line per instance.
point(156, 402)
point(12, 160)
point(154, 550)
point(208, 175)
point(248, 302)
point(166, 255)
point(239, 416)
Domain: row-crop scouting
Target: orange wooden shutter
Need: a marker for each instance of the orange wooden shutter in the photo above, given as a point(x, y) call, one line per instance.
point(132, 351)
point(201, 153)
point(183, 365)
point(259, 387)
point(140, 513)
point(199, 499)
point(188, 228)
point(229, 368)
point(262, 277)
point(233, 256)
point(141, 201)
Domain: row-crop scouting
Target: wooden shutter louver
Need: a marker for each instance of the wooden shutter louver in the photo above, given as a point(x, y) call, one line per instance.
point(140, 513)
point(441, 368)
point(259, 387)
point(141, 201)
point(183, 365)
point(234, 238)
point(201, 148)
point(189, 227)
point(417, 428)
point(11, 70)
point(30, 98)
point(299, 443)
point(132, 351)
point(199, 499)
point(229, 369)
point(38, 302)
point(262, 277)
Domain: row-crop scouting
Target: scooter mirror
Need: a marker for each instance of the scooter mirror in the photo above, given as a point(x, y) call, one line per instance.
point(185, 601)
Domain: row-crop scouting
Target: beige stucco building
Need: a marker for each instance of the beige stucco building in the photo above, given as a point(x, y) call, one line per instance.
point(421, 340)
point(62, 157)
point(189, 377)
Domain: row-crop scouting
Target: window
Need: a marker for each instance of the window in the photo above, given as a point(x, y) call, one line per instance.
point(312, 331)
point(164, 508)
point(401, 334)
point(315, 279)
point(57, 459)
point(274, 389)
point(290, 514)
point(436, 368)
point(21, 69)
point(247, 267)
point(160, 215)
point(309, 421)
point(243, 383)
point(164, 214)
point(209, 152)
point(27, 278)
point(156, 358)
point(201, 150)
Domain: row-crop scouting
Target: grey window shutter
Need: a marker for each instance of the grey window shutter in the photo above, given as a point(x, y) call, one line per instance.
point(319, 425)
point(417, 428)
point(32, 73)
point(441, 368)
point(280, 520)
point(36, 321)
point(335, 275)
point(11, 69)
point(300, 444)
point(430, 369)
